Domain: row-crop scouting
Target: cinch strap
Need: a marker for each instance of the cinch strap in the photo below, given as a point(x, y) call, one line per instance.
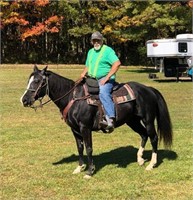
point(97, 61)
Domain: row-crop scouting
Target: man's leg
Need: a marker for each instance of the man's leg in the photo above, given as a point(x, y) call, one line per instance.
point(108, 104)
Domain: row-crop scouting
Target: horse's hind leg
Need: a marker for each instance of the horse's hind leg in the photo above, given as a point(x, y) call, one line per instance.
point(154, 142)
point(136, 125)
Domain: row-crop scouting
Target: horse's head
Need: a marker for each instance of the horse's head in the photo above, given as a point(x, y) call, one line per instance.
point(37, 87)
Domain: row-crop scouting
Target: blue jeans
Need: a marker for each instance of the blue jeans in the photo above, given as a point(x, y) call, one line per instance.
point(106, 98)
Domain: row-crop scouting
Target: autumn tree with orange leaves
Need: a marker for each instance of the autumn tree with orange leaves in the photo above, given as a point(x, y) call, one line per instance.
point(29, 17)
point(27, 22)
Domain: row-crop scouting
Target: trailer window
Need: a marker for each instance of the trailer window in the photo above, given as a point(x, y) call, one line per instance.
point(182, 47)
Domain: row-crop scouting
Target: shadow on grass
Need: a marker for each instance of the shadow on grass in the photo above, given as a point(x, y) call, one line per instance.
point(141, 70)
point(169, 80)
point(122, 157)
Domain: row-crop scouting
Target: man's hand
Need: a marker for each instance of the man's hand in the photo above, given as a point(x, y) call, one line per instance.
point(103, 81)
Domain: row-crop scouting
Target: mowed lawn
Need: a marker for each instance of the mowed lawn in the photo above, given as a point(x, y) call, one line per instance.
point(38, 151)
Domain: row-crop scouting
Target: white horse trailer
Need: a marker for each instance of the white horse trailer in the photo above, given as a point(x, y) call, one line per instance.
point(170, 55)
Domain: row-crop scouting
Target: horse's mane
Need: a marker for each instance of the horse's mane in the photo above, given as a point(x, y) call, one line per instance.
point(61, 82)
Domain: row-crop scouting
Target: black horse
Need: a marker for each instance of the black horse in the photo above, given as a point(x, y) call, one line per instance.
point(139, 114)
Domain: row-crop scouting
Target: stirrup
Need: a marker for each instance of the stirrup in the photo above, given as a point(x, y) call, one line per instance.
point(108, 128)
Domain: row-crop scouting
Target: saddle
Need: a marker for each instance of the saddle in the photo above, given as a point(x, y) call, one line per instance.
point(122, 93)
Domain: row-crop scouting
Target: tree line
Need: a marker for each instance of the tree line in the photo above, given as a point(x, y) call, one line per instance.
point(45, 31)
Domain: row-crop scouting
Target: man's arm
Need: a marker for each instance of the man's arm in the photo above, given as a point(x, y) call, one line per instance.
point(82, 75)
point(113, 70)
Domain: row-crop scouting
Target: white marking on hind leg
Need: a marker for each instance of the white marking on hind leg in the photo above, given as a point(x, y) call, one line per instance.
point(140, 159)
point(153, 162)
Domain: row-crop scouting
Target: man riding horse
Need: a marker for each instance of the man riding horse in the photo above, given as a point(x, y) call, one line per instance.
point(102, 63)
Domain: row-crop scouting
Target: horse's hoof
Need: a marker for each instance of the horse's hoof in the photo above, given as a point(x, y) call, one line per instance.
point(141, 162)
point(87, 176)
point(150, 167)
point(79, 169)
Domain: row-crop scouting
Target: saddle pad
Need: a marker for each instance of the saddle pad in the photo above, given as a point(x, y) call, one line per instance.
point(123, 94)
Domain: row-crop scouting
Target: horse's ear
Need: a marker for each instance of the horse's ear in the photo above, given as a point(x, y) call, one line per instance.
point(35, 68)
point(43, 72)
point(45, 69)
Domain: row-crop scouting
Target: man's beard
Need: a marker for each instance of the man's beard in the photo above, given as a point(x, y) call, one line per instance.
point(97, 47)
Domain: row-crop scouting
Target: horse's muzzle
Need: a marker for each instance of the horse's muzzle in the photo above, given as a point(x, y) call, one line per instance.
point(26, 101)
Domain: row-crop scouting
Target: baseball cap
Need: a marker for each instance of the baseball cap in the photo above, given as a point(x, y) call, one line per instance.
point(96, 36)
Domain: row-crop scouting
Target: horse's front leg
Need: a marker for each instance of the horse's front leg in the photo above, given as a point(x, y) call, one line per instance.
point(80, 146)
point(87, 137)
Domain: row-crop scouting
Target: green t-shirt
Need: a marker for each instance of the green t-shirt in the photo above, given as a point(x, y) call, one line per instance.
point(99, 62)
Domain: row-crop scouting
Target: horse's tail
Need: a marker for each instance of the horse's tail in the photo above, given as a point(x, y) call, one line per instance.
point(163, 120)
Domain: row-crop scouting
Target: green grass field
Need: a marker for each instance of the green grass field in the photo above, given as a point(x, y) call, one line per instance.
point(31, 142)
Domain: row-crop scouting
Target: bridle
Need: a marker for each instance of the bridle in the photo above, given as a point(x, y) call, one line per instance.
point(40, 86)
point(46, 84)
